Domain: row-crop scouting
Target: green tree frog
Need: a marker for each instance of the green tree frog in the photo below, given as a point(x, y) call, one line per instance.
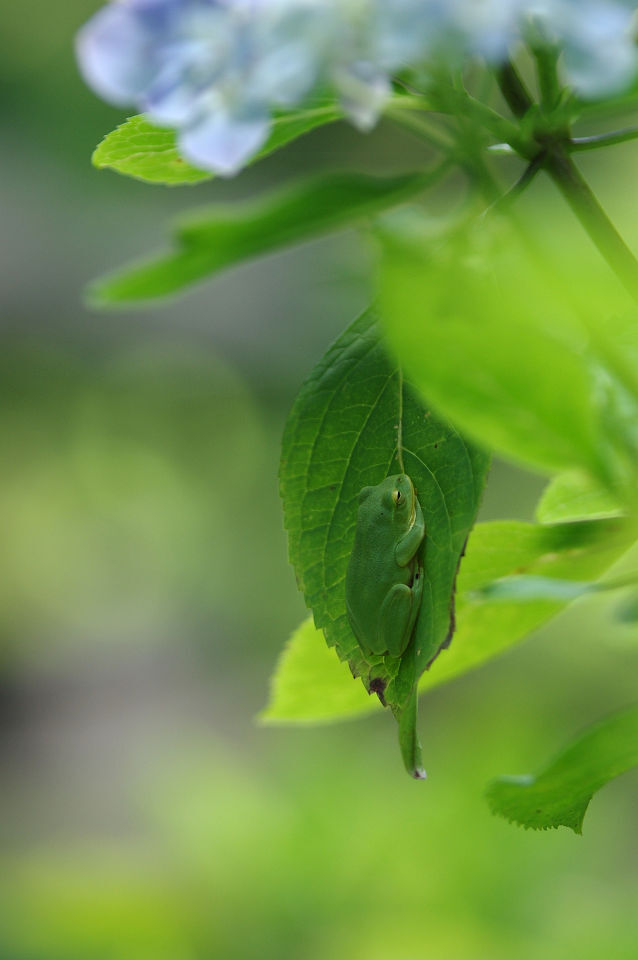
point(384, 579)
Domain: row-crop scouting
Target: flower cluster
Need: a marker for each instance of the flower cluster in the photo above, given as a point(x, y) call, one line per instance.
point(216, 69)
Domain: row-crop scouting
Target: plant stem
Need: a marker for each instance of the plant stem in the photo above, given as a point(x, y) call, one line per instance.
point(593, 218)
point(443, 97)
point(408, 117)
point(505, 199)
point(603, 139)
point(546, 66)
point(513, 89)
point(571, 183)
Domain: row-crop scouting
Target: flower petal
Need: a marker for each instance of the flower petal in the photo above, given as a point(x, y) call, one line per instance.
point(363, 90)
point(113, 54)
point(223, 140)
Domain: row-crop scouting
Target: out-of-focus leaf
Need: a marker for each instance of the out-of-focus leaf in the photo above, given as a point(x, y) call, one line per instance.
point(559, 795)
point(627, 610)
point(341, 436)
point(574, 496)
point(615, 335)
point(311, 685)
point(501, 347)
point(524, 589)
point(614, 338)
point(225, 235)
point(485, 628)
point(138, 148)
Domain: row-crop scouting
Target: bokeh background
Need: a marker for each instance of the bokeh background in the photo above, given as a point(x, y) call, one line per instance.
point(145, 596)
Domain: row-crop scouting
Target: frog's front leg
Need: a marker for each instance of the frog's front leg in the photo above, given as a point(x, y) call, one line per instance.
point(398, 614)
point(410, 542)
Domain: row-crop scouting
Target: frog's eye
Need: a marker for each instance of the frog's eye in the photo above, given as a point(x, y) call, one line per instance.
point(396, 496)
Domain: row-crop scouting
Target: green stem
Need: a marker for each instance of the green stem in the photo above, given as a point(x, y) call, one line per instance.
point(408, 117)
point(603, 139)
point(505, 199)
point(445, 98)
point(593, 218)
point(546, 57)
point(574, 187)
point(516, 95)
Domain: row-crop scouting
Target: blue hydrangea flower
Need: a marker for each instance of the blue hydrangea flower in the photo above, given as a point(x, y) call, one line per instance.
point(216, 69)
point(598, 41)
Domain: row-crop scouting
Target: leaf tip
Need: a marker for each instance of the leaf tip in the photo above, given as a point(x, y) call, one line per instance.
point(96, 296)
point(96, 159)
point(263, 718)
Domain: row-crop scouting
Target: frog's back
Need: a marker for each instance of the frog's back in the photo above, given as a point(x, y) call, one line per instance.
point(372, 572)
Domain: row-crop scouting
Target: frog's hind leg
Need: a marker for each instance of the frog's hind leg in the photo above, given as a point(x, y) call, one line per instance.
point(396, 620)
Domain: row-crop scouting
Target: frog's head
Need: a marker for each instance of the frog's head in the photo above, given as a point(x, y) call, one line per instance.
point(402, 499)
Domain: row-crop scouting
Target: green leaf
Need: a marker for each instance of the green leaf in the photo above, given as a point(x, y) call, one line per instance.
point(311, 685)
point(528, 589)
point(224, 235)
point(627, 610)
point(614, 338)
point(559, 795)
point(342, 435)
point(485, 628)
point(575, 496)
point(139, 149)
point(496, 343)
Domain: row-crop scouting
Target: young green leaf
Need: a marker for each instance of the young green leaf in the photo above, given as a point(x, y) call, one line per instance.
point(139, 149)
point(574, 496)
point(225, 235)
point(559, 795)
point(342, 435)
point(485, 628)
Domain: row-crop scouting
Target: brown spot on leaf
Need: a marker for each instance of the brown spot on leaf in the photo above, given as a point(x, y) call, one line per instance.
point(378, 685)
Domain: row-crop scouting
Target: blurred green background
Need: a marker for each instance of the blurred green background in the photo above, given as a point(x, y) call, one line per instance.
point(145, 596)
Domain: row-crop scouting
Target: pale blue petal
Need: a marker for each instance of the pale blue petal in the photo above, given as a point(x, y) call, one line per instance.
point(173, 96)
point(215, 69)
point(363, 91)
point(283, 76)
point(404, 31)
point(222, 140)
point(113, 54)
point(600, 53)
